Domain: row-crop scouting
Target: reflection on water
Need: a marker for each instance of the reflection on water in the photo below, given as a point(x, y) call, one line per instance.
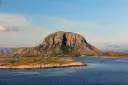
point(99, 72)
point(26, 73)
point(123, 60)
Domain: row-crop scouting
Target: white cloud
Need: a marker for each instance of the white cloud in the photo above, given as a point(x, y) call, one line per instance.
point(29, 30)
point(18, 30)
point(13, 20)
point(2, 28)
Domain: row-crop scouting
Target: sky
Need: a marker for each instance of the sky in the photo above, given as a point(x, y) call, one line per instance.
point(28, 22)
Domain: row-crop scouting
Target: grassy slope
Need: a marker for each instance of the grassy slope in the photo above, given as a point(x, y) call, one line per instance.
point(37, 60)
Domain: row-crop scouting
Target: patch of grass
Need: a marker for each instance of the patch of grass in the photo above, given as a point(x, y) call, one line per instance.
point(12, 61)
point(39, 60)
point(67, 49)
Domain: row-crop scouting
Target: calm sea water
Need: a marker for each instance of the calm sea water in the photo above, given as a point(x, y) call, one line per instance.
point(99, 72)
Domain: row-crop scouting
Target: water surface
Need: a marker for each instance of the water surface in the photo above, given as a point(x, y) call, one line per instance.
point(99, 72)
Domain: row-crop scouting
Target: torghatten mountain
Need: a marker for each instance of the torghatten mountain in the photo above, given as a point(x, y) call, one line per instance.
point(61, 44)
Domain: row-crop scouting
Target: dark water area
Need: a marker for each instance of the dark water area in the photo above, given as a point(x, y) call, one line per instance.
point(99, 71)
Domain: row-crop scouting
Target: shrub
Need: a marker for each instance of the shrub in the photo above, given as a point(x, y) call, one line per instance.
point(12, 61)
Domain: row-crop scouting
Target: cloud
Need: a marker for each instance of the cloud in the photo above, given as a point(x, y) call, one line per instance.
point(30, 30)
point(20, 30)
point(2, 28)
point(67, 24)
point(13, 22)
point(16, 22)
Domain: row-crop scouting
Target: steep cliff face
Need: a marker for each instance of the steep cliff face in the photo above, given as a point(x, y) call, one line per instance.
point(61, 44)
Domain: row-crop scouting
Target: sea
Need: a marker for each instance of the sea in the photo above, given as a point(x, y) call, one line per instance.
point(100, 71)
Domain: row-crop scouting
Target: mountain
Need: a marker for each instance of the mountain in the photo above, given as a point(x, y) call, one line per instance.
point(113, 47)
point(8, 50)
point(61, 44)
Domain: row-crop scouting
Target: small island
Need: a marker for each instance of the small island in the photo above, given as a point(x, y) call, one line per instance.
point(55, 51)
point(38, 63)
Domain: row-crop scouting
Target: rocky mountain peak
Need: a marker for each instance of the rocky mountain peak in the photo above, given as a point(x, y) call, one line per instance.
point(64, 38)
point(61, 43)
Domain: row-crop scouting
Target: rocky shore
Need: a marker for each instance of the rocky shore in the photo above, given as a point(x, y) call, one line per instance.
point(43, 66)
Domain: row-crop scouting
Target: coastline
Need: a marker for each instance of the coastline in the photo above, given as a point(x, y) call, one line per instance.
point(115, 56)
point(44, 66)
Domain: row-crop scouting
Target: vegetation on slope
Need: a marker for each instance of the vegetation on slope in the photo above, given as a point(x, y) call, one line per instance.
point(36, 60)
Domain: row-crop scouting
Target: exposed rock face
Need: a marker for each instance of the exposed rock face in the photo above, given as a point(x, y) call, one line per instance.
point(61, 44)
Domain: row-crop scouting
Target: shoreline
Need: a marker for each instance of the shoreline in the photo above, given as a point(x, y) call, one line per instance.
point(44, 66)
point(115, 57)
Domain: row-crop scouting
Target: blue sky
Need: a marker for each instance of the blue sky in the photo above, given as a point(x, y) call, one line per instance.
point(27, 22)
